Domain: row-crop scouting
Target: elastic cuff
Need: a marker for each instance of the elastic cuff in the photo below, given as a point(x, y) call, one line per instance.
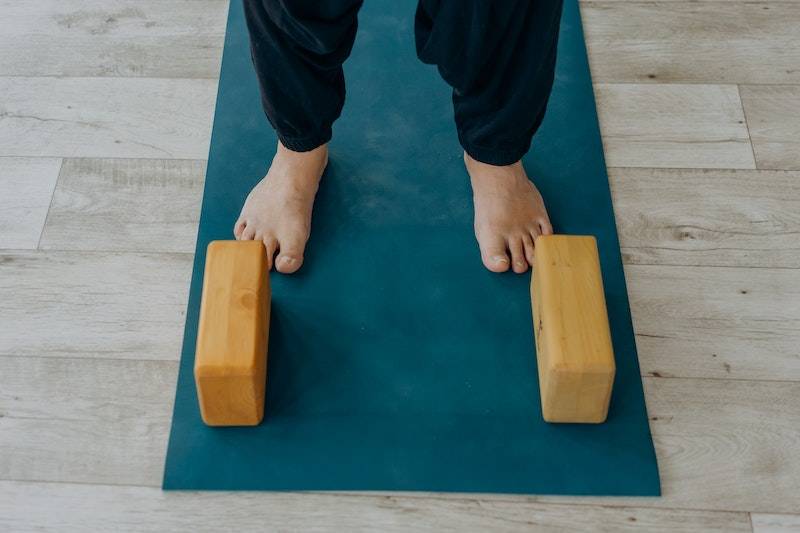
point(306, 144)
point(494, 156)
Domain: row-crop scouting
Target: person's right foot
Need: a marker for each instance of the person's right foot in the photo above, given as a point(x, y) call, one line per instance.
point(509, 215)
point(278, 209)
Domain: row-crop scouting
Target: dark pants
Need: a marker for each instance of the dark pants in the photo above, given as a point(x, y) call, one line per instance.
point(498, 55)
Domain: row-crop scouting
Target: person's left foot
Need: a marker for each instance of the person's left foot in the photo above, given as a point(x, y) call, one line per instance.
point(509, 215)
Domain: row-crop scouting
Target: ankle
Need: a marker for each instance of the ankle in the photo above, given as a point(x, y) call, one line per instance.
point(484, 175)
point(296, 174)
point(301, 164)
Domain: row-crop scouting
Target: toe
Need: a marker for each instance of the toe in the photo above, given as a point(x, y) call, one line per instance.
point(288, 263)
point(239, 228)
point(545, 227)
point(518, 262)
point(535, 231)
point(290, 257)
point(527, 243)
point(248, 233)
point(493, 253)
point(271, 244)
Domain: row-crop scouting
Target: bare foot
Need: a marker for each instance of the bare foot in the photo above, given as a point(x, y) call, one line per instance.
point(278, 209)
point(509, 215)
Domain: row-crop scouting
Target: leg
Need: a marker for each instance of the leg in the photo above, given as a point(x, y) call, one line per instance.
point(499, 57)
point(297, 47)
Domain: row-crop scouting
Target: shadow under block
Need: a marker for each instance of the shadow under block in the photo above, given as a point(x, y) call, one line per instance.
point(573, 340)
point(231, 357)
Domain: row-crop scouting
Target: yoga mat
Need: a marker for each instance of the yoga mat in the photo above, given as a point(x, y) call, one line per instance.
point(396, 361)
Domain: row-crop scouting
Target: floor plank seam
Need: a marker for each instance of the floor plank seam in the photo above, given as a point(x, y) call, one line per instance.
point(706, 170)
point(105, 158)
point(84, 159)
point(600, 81)
point(747, 125)
point(610, 168)
point(176, 361)
point(533, 499)
point(121, 251)
point(187, 254)
point(45, 251)
point(50, 205)
point(731, 267)
point(62, 77)
point(709, 266)
point(650, 375)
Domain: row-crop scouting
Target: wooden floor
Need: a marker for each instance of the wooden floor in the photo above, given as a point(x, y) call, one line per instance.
point(105, 115)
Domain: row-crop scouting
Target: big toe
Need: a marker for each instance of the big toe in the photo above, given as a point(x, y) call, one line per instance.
point(290, 258)
point(493, 253)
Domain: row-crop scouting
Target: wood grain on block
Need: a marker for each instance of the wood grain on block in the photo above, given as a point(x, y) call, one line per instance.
point(573, 340)
point(231, 357)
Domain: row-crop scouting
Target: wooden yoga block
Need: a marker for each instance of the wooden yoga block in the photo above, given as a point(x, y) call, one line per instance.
point(573, 340)
point(230, 363)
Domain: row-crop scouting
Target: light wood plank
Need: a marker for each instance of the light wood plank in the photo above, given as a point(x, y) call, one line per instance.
point(148, 205)
point(776, 523)
point(26, 188)
point(99, 421)
point(106, 117)
point(676, 126)
point(155, 38)
point(741, 323)
point(693, 41)
point(722, 444)
point(773, 117)
point(731, 444)
point(46, 507)
point(707, 217)
point(61, 304)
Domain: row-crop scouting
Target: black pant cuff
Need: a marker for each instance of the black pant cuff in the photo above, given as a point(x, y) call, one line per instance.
point(305, 144)
point(498, 157)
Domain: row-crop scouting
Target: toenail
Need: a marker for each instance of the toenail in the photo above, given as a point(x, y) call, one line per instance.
point(500, 259)
point(288, 259)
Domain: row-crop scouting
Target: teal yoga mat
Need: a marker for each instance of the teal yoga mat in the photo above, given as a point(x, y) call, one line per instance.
point(396, 361)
